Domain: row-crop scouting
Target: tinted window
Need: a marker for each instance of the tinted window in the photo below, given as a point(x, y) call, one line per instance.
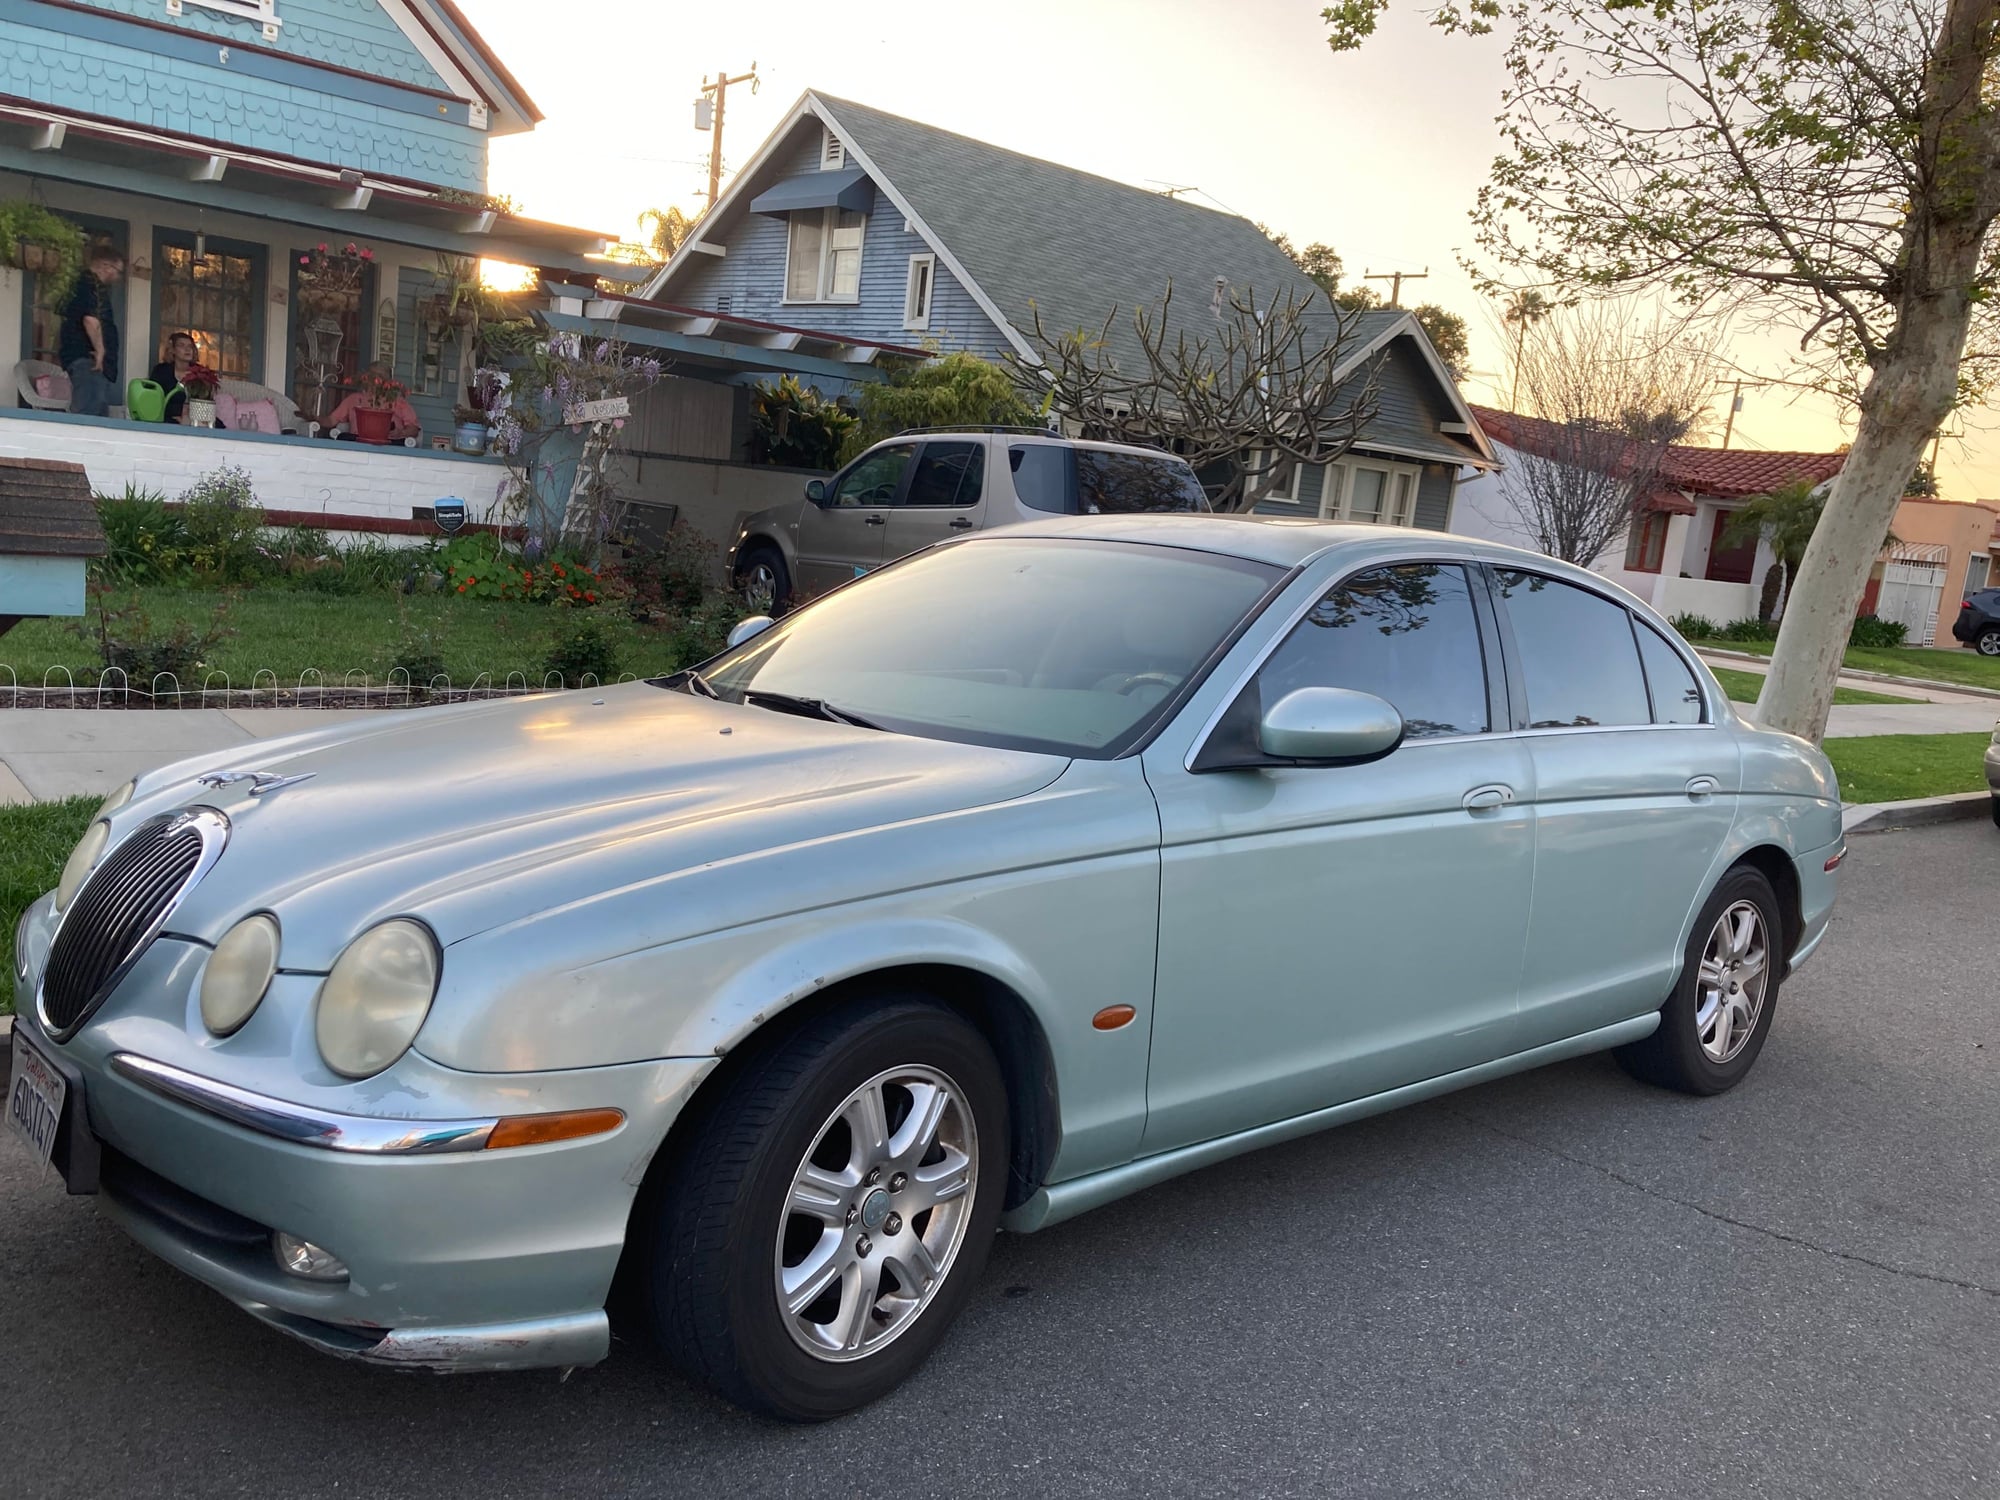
point(1676, 695)
point(1407, 634)
point(873, 480)
point(1578, 658)
point(1074, 647)
point(1124, 483)
point(948, 474)
point(1042, 476)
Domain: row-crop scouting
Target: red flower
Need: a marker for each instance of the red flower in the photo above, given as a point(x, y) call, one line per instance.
point(472, 580)
point(559, 571)
point(591, 597)
point(367, 254)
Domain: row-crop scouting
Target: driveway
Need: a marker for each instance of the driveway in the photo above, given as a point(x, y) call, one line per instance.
point(1563, 1284)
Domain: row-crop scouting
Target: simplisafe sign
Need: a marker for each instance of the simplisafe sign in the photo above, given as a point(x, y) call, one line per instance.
point(449, 513)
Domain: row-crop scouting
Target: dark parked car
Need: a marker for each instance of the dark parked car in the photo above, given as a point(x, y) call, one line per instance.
point(1978, 622)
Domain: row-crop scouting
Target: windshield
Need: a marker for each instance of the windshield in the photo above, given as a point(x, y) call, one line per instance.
point(1064, 646)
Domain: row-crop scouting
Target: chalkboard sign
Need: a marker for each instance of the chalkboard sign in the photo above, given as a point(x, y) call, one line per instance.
point(449, 513)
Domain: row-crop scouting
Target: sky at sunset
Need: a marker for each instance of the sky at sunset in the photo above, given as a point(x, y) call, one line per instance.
point(1378, 153)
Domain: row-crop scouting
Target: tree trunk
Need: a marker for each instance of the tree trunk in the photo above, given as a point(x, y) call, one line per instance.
point(1913, 376)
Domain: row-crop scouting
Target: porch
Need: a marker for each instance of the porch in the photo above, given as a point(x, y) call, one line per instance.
point(1677, 560)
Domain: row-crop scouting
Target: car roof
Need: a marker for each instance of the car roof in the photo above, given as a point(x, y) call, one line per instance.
point(1018, 435)
point(1282, 541)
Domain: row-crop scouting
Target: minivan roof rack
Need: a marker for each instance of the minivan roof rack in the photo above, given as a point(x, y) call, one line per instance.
point(983, 427)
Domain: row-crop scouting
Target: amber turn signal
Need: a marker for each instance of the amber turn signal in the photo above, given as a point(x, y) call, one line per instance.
point(540, 1130)
point(1112, 1017)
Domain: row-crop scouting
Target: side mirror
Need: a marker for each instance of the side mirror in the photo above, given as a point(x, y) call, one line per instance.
point(816, 491)
point(755, 625)
point(1329, 726)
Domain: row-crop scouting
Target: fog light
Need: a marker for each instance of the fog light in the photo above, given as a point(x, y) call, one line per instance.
point(303, 1258)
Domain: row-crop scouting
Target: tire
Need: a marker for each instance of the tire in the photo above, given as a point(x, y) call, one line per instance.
point(1684, 1053)
point(763, 579)
point(1996, 809)
point(1987, 642)
point(726, 1236)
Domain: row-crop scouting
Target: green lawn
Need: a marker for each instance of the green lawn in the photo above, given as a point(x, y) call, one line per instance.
point(1743, 687)
point(291, 631)
point(35, 839)
point(1933, 662)
point(1892, 767)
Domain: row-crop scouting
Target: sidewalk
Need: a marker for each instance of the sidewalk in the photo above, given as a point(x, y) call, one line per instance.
point(1761, 665)
point(46, 753)
point(1929, 711)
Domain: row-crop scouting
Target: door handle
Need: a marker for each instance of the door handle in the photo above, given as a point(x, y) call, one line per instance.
point(961, 523)
point(874, 520)
point(1700, 788)
point(1486, 798)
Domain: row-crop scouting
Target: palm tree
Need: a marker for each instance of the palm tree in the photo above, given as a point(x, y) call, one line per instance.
point(665, 230)
point(1523, 310)
point(1785, 518)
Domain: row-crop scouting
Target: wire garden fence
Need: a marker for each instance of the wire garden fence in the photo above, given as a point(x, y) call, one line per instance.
point(59, 688)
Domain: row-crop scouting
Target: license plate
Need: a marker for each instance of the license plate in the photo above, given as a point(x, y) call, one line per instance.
point(35, 1099)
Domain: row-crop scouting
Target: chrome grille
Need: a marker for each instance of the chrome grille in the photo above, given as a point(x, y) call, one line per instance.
point(121, 909)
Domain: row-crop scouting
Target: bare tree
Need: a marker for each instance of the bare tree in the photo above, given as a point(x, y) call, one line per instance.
point(1244, 391)
point(1610, 401)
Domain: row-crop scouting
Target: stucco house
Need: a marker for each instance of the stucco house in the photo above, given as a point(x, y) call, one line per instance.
point(216, 142)
point(854, 221)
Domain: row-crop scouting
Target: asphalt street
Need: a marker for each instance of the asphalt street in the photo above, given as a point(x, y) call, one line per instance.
point(1563, 1284)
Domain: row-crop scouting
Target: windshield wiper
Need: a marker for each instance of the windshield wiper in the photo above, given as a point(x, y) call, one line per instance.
point(812, 708)
point(688, 681)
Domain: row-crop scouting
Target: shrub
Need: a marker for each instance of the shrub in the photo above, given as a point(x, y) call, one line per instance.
point(704, 633)
point(959, 390)
point(671, 581)
point(1748, 629)
point(127, 639)
point(213, 534)
point(582, 649)
point(142, 536)
point(480, 567)
point(793, 424)
point(419, 648)
point(1873, 631)
point(1694, 627)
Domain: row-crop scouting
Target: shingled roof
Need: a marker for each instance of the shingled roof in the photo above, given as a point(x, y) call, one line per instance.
point(1717, 473)
point(46, 510)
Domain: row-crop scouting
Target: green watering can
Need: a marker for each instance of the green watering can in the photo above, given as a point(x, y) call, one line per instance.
point(146, 400)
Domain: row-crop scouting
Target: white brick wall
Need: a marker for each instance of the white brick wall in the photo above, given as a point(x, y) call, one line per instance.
point(288, 473)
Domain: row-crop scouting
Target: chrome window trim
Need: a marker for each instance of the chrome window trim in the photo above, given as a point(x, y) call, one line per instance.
point(212, 825)
point(301, 1125)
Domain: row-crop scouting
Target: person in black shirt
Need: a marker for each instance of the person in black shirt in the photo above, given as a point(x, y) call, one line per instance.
point(167, 373)
point(88, 345)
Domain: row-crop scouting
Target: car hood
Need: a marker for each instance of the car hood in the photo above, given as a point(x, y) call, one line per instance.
point(474, 815)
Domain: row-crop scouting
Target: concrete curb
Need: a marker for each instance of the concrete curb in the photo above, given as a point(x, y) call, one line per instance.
point(1916, 682)
point(1880, 817)
point(6, 1045)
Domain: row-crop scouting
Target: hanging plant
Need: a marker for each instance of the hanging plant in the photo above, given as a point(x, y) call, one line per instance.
point(35, 238)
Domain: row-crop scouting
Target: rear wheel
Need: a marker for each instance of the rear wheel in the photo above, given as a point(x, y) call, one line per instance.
point(833, 1211)
point(1996, 809)
point(763, 579)
point(1714, 1024)
point(1988, 642)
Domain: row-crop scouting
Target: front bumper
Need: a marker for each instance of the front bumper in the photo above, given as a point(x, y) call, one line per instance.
point(458, 1258)
point(1993, 768)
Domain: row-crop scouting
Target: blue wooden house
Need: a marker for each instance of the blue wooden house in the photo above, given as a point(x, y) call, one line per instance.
point(215, 143)
point(862, 223)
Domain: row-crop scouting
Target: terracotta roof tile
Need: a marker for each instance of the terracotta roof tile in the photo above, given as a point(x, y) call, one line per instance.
point(46, 510)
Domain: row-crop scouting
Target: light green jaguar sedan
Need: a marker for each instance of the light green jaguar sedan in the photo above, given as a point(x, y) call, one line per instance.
point(1029, 871)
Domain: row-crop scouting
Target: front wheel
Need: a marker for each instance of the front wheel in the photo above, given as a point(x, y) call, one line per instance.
point(1714, 1024)
point(831, 1214)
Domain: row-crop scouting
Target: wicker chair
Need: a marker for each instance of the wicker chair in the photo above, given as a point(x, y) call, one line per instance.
point(26, 373)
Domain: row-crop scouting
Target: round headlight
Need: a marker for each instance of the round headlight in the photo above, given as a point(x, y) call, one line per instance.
point(375, 999)
point(238, 973)
point(81, 858)
point(117, 799)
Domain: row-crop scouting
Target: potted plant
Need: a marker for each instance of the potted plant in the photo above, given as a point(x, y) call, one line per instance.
point(379, 395)
point(199, 382)
point(34, 238)
point(330, 280)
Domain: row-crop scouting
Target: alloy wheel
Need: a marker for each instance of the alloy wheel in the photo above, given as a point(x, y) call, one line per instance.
point(877, 1213)
point(1735, 974)
point(1989, 643)
point(760, 586)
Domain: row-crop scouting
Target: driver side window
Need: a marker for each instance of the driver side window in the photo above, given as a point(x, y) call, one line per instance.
point(873, 481)
point(1405, 633)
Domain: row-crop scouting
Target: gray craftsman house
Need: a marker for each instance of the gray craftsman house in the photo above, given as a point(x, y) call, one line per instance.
point(883, 231)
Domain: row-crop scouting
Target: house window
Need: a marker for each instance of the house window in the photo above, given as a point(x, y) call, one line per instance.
point(1379, 494)
point(1646, 543)
point(917, 291)
point(832, 152)
point(823, 261)
point(217, 296)
point(1265, 469)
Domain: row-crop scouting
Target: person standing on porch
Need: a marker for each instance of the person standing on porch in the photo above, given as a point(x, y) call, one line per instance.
point(88, 343)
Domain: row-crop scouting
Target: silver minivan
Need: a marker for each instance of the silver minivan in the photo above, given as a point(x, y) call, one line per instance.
point(925, 486)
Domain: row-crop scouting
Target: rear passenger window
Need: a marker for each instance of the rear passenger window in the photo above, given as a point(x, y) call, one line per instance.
point(1042, 476)
point(1407, 634)
point(1578, 657)
point(947, 474)
point(1676, 695)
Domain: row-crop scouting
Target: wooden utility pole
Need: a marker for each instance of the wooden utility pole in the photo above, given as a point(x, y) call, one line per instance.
point(716, 96)
point(1396, 280)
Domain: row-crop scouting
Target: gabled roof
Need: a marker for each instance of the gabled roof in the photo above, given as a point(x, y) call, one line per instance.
point(1023, 235)
point(1718, 473)
point(447, 28)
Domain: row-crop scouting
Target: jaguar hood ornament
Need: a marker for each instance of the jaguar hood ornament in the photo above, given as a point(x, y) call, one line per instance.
point(261, 782)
